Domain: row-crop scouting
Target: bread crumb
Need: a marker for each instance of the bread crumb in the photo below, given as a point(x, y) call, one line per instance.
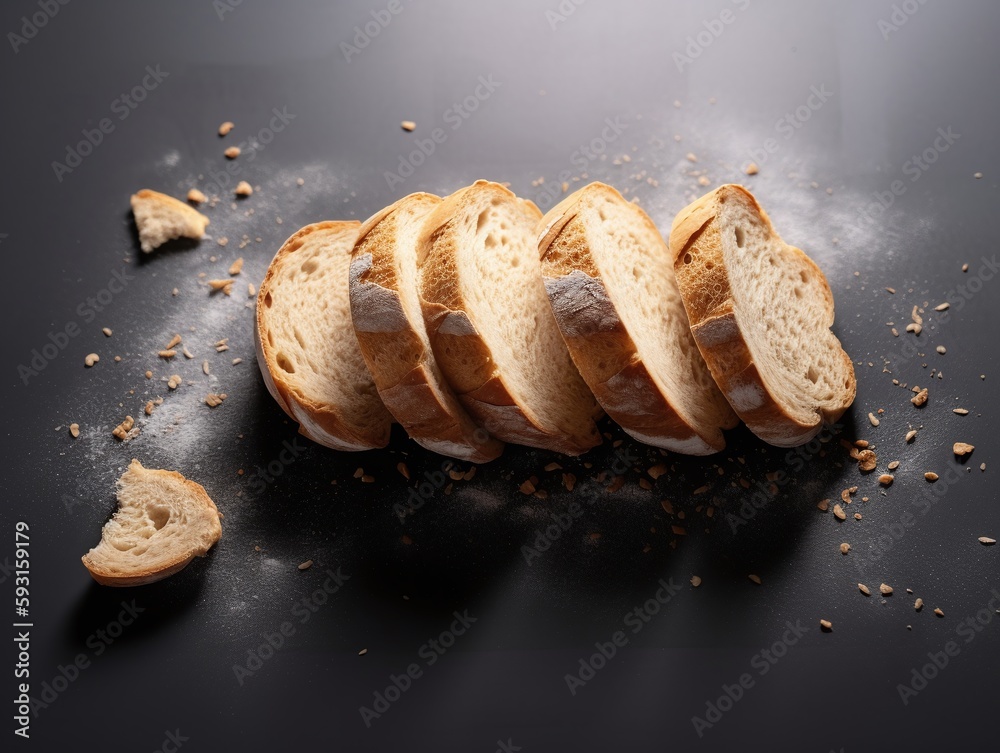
point(569, 481)
point(886, 479)
point(243, 189)
point(920, 398)
point(941, 349)
point(223, 241)
point(942, 307)
point(911, 435)
point(122, 430)
point(871, 418)
point(939, 612)
point(408, 125)
point(961, 411)
point(864, 589)
point(826, 626)
point(213, 399)
point(74, 430)
point(962, 449)
point(236, 267)
point(107, 332)
point(299, 182)
point(90, 359)
point(977, 176)
point(403, 470)
point(527, 487)
point(845, 548)
point(232, 152)
point(893, 465)
point(362, 652)
point(691, 157)
point(149, 375)
point(196, 197)
point(174, 342)
point(695, 581)
point(892, 291)
point(885, 589)
point(931, 476)
point(751, 169)
point(174, 382)
point(226, 127)
point(226, 286)
point(754, 578)
point(823, 505)
point(987, 541)
point(867, 460)
point(187, 353)
point(168, 354)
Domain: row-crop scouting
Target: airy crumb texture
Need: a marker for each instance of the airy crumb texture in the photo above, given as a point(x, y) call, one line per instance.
point(761, 312)
point(306, 346)
point(163, 521)
point(161, 218)
point(619, 310)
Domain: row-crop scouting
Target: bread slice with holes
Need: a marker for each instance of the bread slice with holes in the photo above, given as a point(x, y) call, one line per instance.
point(163, 522)
point(761, 313)
point(611, 284)
point(306, 347)
point(161, 218)
point(490, 324)
point(385, 308)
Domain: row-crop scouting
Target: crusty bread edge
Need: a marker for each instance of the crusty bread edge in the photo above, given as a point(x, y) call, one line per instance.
point(668, 428)
point(106, 578)
point(321, 424)
point(718, 334)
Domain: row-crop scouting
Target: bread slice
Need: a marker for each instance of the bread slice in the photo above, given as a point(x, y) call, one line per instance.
point(161, 218)
point(163, 522)
point(761, 313)
point(611, 284)
point(385, 309)
point(306, 347)
point(491, 326)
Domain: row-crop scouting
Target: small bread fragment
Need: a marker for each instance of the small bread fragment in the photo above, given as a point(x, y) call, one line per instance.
point(161, 218)
point(614, 295)
point(307, 350)
point(163, 522)
point(385, 309)
point(761, 313)
point(491, 326)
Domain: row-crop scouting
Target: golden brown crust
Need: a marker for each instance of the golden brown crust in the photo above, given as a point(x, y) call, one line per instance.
point(109, 576)
point(395, 353)
point(601, 347)
point(708, 299)
point(462, 352)
point(321, 423)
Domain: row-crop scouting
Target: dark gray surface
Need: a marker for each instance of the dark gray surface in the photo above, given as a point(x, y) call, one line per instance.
point(504, 679)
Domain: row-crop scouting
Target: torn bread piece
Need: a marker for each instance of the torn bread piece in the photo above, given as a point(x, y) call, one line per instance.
point(306, 347)
point(612, 288)
point(163, 522)
point(491, 326)
point(161, 218)
point(761, 312)
point(385, 309)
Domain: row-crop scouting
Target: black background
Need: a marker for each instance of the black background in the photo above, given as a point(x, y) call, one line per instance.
point(558, 81)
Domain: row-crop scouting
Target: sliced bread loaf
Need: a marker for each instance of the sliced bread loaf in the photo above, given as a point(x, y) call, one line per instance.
point(163, 522)
point(306, 347)
point(611, 284)
point(160, 218)
point(761, 313)
point(385, 308)
point(491, 326)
